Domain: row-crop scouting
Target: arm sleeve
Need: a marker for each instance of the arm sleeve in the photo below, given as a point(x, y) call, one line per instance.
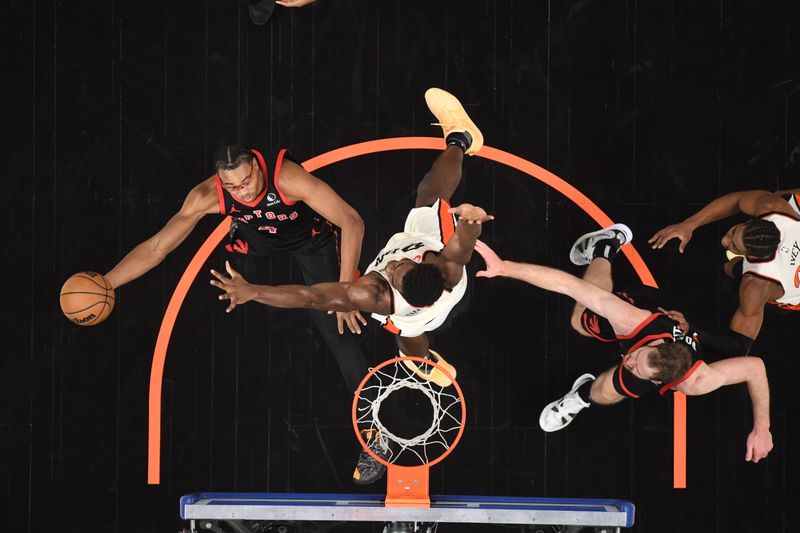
point(724, 345)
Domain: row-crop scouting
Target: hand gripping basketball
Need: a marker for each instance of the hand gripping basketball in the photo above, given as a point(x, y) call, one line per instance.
point(87, 298)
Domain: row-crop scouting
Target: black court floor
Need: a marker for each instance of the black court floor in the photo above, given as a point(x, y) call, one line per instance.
point(114, 109)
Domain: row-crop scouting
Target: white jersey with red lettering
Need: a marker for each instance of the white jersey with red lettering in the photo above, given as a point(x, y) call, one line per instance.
point(784, 267)
point(427, 229)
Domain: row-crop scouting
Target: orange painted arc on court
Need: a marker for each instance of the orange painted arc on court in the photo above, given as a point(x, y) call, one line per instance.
point(349, 152)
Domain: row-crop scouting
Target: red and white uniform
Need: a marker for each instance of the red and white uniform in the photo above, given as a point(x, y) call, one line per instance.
point(427, 229)
point(784, 267)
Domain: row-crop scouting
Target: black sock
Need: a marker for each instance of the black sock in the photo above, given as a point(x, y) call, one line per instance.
point(462, 139)
point(607, 248)
point(584, 391)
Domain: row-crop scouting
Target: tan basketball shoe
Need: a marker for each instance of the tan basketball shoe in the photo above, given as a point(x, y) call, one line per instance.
point(435, 375)
point(452, 117)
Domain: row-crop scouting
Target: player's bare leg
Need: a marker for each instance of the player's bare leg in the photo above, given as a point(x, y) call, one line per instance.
point(597, 249)
point(461, 135)
point(598, 273)
point(442, 180)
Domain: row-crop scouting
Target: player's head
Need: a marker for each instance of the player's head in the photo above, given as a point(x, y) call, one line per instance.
point(421, 284)
point(239, 172)
point(663, 363)
point(756, 239)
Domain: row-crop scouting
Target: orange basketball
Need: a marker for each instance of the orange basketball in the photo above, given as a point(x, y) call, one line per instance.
point(87, 298)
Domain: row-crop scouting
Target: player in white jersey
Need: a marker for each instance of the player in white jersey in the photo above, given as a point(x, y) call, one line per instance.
point(764, 251)
point(416, 279)
point(419, 276)
point(423, 233)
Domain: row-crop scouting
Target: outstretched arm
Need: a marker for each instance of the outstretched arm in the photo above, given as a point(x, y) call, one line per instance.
point(352, 296)
point(750, 370)
point(298, 185)
point(200, 201)
point(623, 316)
point(470, 223)
point(753, 203)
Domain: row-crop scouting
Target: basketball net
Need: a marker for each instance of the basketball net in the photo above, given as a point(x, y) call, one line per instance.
point(407, 485)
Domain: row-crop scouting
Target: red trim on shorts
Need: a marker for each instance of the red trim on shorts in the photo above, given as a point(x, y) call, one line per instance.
point(649, 339)
point(663, 390)
point(447, 225)
point(622, 383)
point(588, 329)
point(276, 175)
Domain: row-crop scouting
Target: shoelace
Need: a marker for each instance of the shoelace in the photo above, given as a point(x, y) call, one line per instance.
point(571, 404)
point(448, 109)
point(379, 444)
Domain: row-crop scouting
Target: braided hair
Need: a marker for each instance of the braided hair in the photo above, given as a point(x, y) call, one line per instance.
point(231, 157)
point(761, 238)
point(422, 285)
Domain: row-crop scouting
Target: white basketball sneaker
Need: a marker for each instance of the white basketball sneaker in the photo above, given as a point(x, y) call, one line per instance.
point(582, 251)
point(558, 414)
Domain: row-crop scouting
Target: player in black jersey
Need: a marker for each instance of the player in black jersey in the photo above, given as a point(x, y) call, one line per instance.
point(420, 276)
point(658, 348)
point(276, 207)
